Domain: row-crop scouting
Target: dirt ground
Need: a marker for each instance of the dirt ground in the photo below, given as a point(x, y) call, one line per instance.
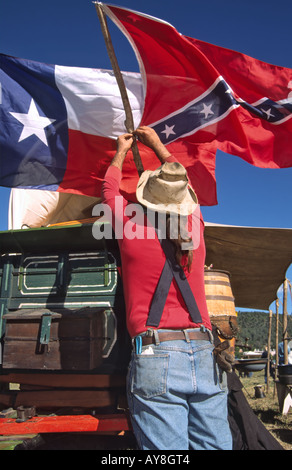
point(267, 408)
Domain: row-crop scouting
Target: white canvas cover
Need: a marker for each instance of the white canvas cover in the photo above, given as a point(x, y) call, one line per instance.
point(32, 208)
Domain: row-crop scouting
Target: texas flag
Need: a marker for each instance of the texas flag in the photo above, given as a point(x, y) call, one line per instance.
point(58, 125)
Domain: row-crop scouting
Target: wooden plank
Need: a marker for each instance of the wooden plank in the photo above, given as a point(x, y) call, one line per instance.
point(56, 424)
point(65, 380)
point(59, 398)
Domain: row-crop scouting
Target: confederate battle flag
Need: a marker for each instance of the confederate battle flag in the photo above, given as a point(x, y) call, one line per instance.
point(201, 98)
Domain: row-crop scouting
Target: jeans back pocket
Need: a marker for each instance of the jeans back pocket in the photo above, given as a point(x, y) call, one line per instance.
point(149, 375)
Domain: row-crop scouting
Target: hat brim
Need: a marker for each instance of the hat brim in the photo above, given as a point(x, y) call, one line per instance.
point(186, 207)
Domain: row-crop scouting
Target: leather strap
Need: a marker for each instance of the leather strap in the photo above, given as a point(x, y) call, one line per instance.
point(176, 335)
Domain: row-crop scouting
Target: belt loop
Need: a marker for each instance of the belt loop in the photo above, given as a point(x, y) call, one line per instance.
point(149, 332)
point(211, 336)
point(186, 336)
point(156, 337)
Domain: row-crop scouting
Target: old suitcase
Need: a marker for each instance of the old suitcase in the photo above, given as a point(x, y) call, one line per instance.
point(44, 339)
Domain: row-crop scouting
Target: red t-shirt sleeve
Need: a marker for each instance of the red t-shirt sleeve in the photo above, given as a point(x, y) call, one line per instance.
point(111, 183)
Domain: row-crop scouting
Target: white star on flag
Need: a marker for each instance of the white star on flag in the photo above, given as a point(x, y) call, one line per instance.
point(168, 130)
point(206, 110)
point(268, 112)
point(33, 123)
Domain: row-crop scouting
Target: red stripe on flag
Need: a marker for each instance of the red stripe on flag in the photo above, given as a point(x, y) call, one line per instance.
point(88, 159)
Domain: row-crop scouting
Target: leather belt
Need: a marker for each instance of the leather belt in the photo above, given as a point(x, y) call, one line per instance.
point(176, 335)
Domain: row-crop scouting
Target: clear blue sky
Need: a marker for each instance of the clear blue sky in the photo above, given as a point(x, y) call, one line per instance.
point(67, 32)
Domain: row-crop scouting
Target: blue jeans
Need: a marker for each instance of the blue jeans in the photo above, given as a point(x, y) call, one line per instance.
point(177, 397)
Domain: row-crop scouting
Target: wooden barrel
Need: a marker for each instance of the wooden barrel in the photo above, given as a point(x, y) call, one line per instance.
point(218, 291)
point(220, 303)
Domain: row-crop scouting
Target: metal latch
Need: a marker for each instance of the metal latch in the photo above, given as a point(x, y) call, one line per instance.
point(24, 413)
point(46, 322)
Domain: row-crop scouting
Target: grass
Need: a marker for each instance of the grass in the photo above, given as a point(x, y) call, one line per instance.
point(267, 408)
point(9, 444)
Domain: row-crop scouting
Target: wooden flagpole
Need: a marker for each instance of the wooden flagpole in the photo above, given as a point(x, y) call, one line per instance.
point(269, 350)
point(285, 321)
point(129, 122)
point(277, 338)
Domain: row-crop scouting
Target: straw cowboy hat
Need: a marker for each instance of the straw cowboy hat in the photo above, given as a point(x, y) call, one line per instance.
point(167, 189)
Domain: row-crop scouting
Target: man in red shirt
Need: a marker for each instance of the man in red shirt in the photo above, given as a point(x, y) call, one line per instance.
point(176, 395)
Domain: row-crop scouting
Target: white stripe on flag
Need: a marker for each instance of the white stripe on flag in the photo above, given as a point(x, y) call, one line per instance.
point(93, 100)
